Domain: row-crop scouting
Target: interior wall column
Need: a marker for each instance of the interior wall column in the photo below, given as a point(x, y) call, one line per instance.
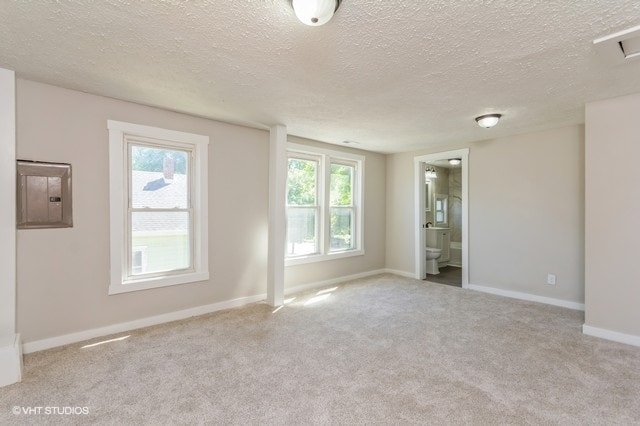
point(277, 214)
point(10, 347)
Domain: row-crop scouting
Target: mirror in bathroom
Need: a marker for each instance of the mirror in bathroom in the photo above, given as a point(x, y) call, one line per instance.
point(441, 205)
point(427, 195)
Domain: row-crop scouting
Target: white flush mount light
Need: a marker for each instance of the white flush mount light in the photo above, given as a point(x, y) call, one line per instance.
point(488, 120)
point(455, 161)
point(315, 12)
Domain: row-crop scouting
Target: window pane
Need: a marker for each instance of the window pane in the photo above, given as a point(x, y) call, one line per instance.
point(301, 182)
point(159, 178)
point(165, 236)
point(137, 261)
point(302, 231)
point(341, 185)
point(342, 228)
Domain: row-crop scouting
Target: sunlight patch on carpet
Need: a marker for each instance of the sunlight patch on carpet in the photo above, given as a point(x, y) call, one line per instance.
point(317, 299)
point(117, 339)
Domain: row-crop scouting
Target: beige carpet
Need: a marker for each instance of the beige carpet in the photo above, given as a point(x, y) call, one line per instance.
point(384, 350)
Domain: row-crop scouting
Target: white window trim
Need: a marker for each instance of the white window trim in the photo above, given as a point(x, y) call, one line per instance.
point(319, 200)
point(118, 193)
point(323, 194)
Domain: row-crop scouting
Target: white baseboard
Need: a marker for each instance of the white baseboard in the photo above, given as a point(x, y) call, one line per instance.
point(40, 345)
point(400, 273)
point(327, 283)
point(529, 297)
point(66, 339)
point(10, 360)
point(615, 336)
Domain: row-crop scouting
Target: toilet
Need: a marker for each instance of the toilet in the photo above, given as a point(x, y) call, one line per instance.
point(433, 254)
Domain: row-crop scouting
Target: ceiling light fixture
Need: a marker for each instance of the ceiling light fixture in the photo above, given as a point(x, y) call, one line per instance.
point(455, 161)
point(488, 120)
point(315, 12)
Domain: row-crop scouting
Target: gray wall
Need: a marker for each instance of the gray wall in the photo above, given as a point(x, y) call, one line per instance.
point(526, 212)
point(612, 212)
point(374, 226)
point(63, 274)
point(400, 213)
point(526, 216)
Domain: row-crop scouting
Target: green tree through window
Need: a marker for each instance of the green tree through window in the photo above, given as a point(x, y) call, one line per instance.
point(301, 182)
point(324, 198)
point(302, 207)
point(342, 211)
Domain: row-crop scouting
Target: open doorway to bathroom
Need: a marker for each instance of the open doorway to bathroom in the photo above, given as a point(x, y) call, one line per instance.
point(441, 251)
point(443, 221)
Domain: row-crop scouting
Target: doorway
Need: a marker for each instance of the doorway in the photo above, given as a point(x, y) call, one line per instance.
point(432, 208)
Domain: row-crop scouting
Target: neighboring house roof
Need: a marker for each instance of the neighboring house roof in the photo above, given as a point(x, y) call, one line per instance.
point(151, 189)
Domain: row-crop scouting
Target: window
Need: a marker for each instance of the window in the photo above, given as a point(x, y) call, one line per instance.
point(441, 209)
point(303, 210)
point(158, 198)
point(324, 199)
point(341, 205)
point(139, 260)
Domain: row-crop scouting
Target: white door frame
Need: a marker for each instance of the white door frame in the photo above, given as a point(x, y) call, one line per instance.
point(418, 181)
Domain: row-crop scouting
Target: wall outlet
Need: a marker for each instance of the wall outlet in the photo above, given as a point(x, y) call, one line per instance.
point(551, 279)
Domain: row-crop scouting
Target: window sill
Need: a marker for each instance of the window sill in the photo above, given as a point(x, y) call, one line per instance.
point(322, 257)
point(157, 282)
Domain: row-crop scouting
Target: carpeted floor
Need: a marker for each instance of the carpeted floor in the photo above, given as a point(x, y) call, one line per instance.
point(384, 350)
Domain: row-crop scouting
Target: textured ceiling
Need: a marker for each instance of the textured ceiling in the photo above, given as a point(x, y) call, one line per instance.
point(392, 75)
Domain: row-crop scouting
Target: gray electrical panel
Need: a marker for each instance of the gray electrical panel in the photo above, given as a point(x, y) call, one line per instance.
point(43, 195)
